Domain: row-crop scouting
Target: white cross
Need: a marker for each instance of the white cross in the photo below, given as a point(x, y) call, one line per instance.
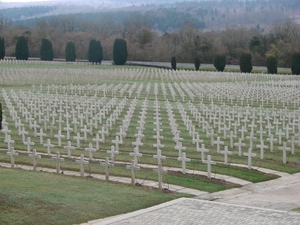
point(23, 133)
point(59, 136)
point(12, 154)
point(262, 146)
point(5, 130)
point(231, 136)
point(41, 135)
point(106, 164)
point(103, 132)
point(280, 133)
point(97, 140)
point(218, 143)
point(197, 141)
point(139, 135)
point(243, 130)
point(158, 145)
point(183, 159)
point(132, 167)
point(82, 162)
point(240, 144)
point(34, 157)
point(69, 147)
point(251, 138)
point(180, 148)
point(292, 141)
point(276, 124)
point(209, 163)
point(85, 131)
point(112, 153)
point(28, 143)
point(135, 155)
point(68, 129)
point(117, 142)
point(269, 127)
point(284, 148)
point(159, 156)
point(48, 145)
point(78, 138)
point(261, 132)
point(211, 135)
point(203, 150)
point(225, 152)
point(60, 121)
point(35, 126)
point(75, 123)
point(90, 149)
point(271, 140)
point(9, 141)
point(58, 159)
point(249, 154)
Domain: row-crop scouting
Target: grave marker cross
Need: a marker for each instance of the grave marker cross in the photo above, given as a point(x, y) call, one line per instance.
point(82, 162)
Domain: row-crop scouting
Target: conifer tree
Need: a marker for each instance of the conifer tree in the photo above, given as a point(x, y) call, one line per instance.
point(46, 50)
point(70, 52)
point(296, 63)
point(22, 50)
point(246, 63)
point(173, 63)
point(95, 52)
point(220, 62)
point(272, 64)
point(0, 116)
point(197, 63)
point(120, 53)
point(2, 48)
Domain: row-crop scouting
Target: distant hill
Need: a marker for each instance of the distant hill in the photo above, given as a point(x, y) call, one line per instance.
point(163, 16)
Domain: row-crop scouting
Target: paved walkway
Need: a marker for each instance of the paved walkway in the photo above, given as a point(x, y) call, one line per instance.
point(194, 211)
point(263, 203)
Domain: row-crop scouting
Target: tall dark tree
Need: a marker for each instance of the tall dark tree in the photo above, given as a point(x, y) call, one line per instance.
point(2, 48)
point(197, 63)
point(296, 63)
point(173, 62)
point(0, 116)
point(272, 64)
point(246, 62)
point(120, 53)
point(220, 62)
point(70, 52)
point(22, 50)
point(46, 51)
point(95, 53)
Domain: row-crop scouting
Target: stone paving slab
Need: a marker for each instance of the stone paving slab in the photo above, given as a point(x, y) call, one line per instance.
point(194, 211)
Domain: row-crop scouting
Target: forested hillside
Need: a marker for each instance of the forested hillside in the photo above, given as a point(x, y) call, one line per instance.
point(157, 32)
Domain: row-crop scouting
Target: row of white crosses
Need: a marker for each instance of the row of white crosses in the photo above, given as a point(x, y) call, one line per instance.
point(218, 91)
point(157, 123)
point(208, 120)
point(188, 125)
point(38, 75)
point(41, 134)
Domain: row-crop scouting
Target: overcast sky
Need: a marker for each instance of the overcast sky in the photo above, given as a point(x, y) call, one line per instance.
point(24, 0)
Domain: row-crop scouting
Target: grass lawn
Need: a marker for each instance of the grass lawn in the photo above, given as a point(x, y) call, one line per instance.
point(28, 197)
point(296, 210)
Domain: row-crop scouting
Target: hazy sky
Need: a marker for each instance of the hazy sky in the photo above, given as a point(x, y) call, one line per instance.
point(24, 0)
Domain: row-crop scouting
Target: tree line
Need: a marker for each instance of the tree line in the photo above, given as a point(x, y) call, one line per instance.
point(145, 44)
point(120, 54)
point(95, 52)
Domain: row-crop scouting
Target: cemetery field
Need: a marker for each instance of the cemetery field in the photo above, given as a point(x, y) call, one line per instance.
point(28, 197)
point(173, 127)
